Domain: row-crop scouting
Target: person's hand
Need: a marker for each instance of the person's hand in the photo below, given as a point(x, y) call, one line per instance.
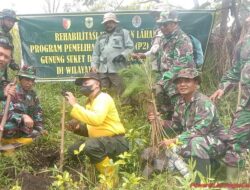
point(70, 98)
point(72, 125)
point(134, 55)
point(14, 66)
point(138, 55)
point(141, 55)
point(10, 89)
point(167, 142)
point(93, 69)
point(119, 58)
point(217, 95)
point(152, 117)
point(28, 121)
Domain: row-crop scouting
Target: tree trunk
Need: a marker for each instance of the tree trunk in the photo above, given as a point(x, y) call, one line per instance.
point(235, 13)
point(224, 15)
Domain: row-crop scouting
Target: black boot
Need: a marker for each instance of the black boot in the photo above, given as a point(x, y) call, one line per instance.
point(202, 166)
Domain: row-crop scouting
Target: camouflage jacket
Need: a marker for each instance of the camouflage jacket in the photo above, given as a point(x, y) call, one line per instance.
point(197, 118)
point(240, 72)
point(176, 53)
point(3, 83)
point(25, 103)
point(2, 86)
point(108, 46)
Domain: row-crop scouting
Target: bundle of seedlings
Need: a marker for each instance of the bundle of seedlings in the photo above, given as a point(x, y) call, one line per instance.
point(139, 80)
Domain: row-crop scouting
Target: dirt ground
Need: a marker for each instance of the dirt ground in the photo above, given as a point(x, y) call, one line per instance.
point(32, 182)
point(40, 157)
point(43, 157)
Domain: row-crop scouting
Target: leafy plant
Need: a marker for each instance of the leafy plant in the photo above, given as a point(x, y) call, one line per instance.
point(64, 181)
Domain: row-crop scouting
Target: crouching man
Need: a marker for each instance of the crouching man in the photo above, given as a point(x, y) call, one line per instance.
point(25, 117)
point(100, 122)
point(202, 136)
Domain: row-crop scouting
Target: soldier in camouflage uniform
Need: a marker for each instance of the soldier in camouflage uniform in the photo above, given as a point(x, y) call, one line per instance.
point(6, 49)
point(153, 52)
point(202, 137)
point(176, 53)
point(7, 21)
point(239, 74)
point(111, 52)
point(25, 117)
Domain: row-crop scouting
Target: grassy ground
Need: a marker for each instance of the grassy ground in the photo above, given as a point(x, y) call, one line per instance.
point(36, 166)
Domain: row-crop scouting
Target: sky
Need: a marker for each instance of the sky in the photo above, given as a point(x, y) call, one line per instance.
point(37, 6)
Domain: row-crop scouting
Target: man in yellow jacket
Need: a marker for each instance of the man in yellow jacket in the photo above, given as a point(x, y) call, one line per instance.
point(98, 120)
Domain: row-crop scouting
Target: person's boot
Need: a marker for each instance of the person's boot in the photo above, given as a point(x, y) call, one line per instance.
point(203, 166)
point(106, 168)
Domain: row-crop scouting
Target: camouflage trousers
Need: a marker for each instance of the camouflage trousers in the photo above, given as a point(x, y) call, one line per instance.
point(240, 131)
point(13, 130)
point(204, 147)
point(239, 140)
point(165, 103)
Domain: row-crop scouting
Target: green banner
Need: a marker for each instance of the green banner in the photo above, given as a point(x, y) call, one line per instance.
point(60, 46)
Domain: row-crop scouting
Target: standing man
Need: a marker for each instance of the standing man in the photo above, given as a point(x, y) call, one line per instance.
point(153, 52)
point(239, 74)
point(25, 117)
point(6, 49)
point(176, 53)
point(111, 53)
point(7, 21)
point(100, 122)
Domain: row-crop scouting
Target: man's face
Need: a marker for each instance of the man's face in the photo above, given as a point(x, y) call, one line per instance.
point(5, 57)
point(91, 82)
point(27, 83)
point(168, 28)
point(8, 24)
point(186, 86)
point(110, 26)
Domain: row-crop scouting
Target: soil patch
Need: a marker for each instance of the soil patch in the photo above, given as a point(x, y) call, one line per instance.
point(32, 182)
point(43, 157)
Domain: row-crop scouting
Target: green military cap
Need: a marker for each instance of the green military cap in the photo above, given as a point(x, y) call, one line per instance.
point(166, 17)
point(189, 73)
point(90, 75)
point(8, 13)
point(27, 71)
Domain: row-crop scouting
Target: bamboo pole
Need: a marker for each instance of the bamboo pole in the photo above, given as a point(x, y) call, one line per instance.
point(62, 136)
